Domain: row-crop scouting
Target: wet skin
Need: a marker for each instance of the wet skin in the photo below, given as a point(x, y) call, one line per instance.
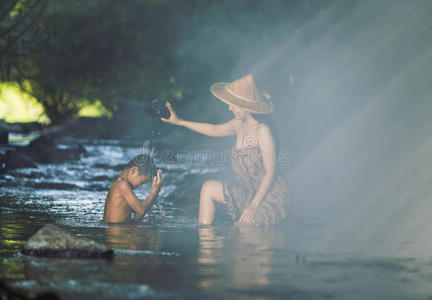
point(121, 200)
point(249, 132)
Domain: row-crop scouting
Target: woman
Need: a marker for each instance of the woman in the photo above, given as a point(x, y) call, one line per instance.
point(260, 195)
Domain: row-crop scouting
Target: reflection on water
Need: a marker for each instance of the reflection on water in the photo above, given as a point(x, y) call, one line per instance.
point(246, 250)
point(210, 255)
point(12, 232)
point(210, 246)
point(254, 250)
point(176, 258)
point(12, 269)
point(132, 237)
point(10, 235)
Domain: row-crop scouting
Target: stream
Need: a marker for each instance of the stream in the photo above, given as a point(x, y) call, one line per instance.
point(176, 258)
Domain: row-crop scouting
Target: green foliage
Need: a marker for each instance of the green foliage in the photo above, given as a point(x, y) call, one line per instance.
point(17, 106)
point(74, 52)
point(81, 51)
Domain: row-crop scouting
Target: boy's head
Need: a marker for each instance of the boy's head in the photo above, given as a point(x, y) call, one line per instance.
point(140, 169)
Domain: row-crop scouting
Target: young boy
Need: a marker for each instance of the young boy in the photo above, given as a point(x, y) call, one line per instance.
point(121, 200)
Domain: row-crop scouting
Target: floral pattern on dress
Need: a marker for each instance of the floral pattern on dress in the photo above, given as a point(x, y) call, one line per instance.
point(248, 167)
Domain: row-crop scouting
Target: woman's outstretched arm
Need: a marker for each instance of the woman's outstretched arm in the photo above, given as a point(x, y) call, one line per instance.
point(224, 129)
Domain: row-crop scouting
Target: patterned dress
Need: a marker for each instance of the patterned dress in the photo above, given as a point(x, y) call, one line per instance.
point(248, 167)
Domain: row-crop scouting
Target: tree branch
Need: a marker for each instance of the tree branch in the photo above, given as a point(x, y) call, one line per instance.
point(21, 19)
point(8, 10)
point(31, 24)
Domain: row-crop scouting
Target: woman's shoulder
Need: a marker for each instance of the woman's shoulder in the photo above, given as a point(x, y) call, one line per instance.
point(262, 128)
point(263, 133)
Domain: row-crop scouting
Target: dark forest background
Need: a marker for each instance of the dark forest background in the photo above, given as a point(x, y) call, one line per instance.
point(67, 52)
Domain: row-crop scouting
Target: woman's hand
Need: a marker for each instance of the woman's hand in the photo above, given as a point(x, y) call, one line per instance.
point(248, 214)
point(173, 119)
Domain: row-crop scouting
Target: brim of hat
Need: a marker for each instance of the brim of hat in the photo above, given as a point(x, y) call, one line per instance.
point(263, 107)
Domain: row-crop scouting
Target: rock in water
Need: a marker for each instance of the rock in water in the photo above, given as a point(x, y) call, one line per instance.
point(4, 133)
point(53, 241)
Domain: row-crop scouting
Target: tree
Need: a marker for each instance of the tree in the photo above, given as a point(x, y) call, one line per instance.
point(17, 19)
point(86, 50)
point(72, 52)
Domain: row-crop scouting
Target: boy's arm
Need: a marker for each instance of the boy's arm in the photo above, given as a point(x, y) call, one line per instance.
point(139, 207)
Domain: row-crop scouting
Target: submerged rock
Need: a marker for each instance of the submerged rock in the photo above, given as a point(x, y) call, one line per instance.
point(17, 159)
point(4, 136)
point(45, 150)
point(41, 150)
point(17, 293)
point(4, 133)
point(53, 241)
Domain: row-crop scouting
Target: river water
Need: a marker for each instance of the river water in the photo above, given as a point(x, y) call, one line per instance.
point(177, 259)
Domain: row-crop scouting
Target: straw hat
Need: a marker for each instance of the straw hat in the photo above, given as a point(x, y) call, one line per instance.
point(242, 93)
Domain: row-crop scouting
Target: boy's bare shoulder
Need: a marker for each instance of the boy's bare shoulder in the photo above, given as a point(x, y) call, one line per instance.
point(120, 186)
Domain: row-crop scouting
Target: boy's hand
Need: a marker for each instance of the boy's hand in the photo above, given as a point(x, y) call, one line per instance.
point(157, 181)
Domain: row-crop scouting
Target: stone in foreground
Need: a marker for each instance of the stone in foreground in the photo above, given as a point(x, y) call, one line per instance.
point(53, 241)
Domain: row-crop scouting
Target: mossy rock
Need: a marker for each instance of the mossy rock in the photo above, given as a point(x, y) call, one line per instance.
point(53, 241)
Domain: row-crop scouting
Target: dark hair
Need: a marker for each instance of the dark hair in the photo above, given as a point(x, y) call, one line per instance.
point(271, 124)
point(144, 163)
